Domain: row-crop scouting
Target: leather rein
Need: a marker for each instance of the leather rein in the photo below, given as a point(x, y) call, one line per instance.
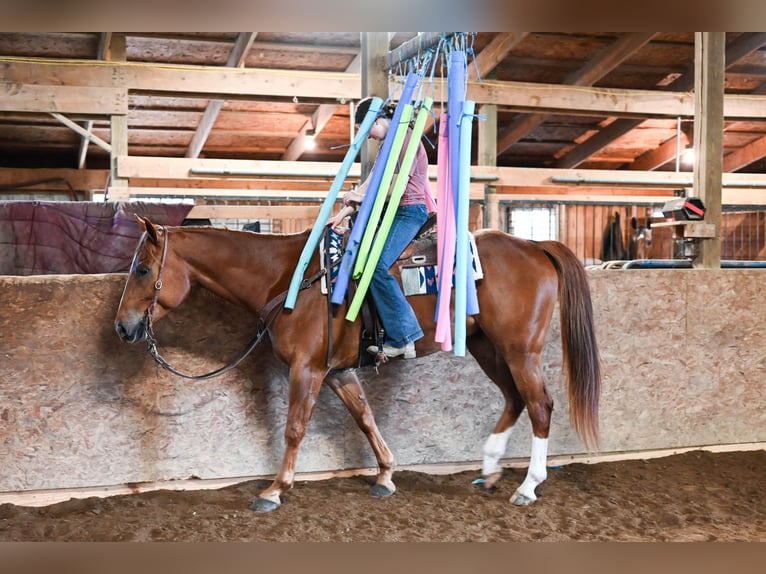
point(268, 314)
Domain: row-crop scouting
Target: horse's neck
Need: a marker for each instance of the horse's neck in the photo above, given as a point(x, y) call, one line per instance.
point(247, 269)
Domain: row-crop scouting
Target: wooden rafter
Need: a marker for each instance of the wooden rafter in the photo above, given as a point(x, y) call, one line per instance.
point(742, 46)
point(236, 60)
point(599, 66)
point(745, 155)
point(318, 121)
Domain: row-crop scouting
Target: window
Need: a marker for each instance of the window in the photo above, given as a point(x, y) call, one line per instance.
point(537, 223)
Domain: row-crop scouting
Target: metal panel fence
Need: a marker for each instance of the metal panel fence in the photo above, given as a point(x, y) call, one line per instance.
point(621, 230)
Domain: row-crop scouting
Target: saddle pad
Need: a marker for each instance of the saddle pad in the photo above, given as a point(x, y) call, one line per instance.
point(422, 279)
point(416, 279)
point(336, 253)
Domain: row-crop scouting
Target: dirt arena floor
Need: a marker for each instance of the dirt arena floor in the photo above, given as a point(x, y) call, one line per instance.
point(696, 496)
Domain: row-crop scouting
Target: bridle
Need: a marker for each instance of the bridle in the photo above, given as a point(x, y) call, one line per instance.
point(267, 316)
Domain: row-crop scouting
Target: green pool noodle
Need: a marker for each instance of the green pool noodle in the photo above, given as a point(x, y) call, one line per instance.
point(388, 217)
point(381, 194)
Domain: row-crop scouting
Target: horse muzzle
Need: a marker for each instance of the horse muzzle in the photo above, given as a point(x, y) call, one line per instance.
point(131, 332)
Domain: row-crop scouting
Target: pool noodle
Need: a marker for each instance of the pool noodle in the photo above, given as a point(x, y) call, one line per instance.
point(463, 279)
point(393, 205)
point(381, 195)
point(329, 202)
point(455, 97)
point(349, 255)
point(445, 235)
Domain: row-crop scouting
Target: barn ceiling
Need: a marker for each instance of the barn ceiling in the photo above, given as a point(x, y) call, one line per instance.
point(259, 124)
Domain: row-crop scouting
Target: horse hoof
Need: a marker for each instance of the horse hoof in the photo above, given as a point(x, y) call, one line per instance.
point(380, 491)
point(262, 506)
point(519, 499)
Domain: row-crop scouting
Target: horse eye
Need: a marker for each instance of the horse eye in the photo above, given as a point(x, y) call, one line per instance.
point(142, 271)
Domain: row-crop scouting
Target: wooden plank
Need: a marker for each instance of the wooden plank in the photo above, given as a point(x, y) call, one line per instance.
point(254, 212)
point(210, 81)
point(24, 97)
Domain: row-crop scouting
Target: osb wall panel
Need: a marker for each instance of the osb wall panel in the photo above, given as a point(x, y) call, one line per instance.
point(683, 357)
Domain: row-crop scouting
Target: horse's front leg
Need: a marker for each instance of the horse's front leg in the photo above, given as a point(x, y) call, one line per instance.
point(304, 389)
point(348, 388)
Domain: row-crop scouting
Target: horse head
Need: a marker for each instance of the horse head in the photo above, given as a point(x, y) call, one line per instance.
point(640, 244)
point(156, 283)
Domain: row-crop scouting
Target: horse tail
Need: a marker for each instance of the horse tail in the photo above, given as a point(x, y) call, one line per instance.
point(580, 350)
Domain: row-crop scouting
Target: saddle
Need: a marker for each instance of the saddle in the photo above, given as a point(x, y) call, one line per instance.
point(419, 253)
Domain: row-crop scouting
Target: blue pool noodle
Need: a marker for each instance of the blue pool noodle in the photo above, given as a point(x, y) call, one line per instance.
point(355, 235)
point(329, 202)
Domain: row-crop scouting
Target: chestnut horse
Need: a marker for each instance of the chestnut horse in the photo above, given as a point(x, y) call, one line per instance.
point(522, 282)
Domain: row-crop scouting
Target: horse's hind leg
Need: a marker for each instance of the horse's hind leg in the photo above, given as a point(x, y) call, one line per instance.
point(494, 366)
point(528, 375)
point(348, 388)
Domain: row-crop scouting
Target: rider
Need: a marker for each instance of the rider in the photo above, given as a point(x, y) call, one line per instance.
point(399, 321)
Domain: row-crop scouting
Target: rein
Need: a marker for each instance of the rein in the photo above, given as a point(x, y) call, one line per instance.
point(267, 312)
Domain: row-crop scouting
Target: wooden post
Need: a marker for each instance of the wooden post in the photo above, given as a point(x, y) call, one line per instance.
point(709, 56)
point(118, 187)
point(487, 156)
point(374, 51)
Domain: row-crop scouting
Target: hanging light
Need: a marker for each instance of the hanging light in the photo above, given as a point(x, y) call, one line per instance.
point(310, 143)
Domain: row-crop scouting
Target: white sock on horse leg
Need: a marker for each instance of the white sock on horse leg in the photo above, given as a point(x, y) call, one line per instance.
point(494, 449)
point(537, 471)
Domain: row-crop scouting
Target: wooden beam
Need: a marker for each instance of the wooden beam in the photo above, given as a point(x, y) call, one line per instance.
point(574, 100)
point(118, 126)
point(494, 53)
point(659, 156)
point(85, 97)
point(182, 81)
point(103, 52)
point(374, 51)
point(63, 99)
point(164, 168)
point(319, 119)
point(745, 155)
point(606, 60)
point(742, 46)
point(709, 55)
point(236, 60)
point(82, 131)
point(254, 212)
point(226, 192)
point(487, 136)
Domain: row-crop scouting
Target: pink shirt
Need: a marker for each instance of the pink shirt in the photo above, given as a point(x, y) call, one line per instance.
point(414, 193)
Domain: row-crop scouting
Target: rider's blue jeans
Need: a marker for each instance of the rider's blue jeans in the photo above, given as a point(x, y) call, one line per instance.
point(398, 319)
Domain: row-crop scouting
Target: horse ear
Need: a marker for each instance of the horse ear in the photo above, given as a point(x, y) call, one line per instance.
point(148, 226)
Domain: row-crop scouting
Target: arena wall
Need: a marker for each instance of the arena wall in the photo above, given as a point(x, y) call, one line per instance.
point(683, 355)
